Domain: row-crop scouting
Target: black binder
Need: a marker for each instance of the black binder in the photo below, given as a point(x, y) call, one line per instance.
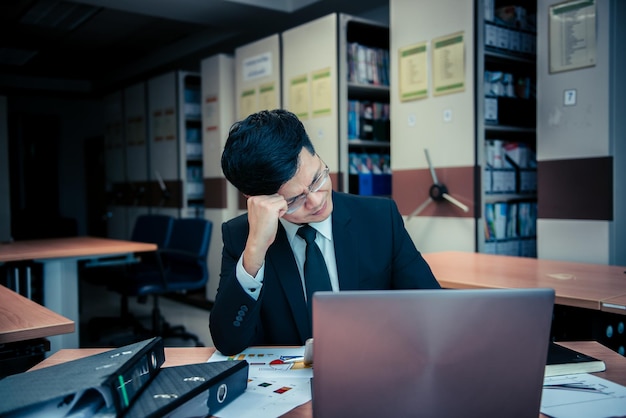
point(113, 379)
point(194, 390)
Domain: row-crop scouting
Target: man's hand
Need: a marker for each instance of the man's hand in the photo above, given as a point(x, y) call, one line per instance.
point(263, 214)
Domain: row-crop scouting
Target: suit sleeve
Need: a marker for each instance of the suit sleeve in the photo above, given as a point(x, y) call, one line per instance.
point(410, 270)
point(234, 319)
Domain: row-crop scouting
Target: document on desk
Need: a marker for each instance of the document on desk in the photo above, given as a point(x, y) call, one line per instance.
point(278, 382)
point(582, 395)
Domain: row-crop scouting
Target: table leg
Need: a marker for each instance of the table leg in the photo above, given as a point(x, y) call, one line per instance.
point(60, 285)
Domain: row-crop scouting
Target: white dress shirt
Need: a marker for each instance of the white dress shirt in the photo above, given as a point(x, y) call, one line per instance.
point(324, 240)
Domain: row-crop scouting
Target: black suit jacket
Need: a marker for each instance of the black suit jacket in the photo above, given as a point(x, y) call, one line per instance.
point(373, 251)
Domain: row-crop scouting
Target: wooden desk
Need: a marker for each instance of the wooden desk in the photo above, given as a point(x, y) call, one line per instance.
point(22, 319)
point(59, 257)
point(575, 284)
point(174, 356)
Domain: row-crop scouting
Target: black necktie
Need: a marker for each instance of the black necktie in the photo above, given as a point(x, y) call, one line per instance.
point(315, 272)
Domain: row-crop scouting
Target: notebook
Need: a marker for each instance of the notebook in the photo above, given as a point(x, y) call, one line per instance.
point(430, 353)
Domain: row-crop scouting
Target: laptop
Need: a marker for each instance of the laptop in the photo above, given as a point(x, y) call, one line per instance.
point(430, 353)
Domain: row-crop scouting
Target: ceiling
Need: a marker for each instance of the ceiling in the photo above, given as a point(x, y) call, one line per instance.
point(91, 46)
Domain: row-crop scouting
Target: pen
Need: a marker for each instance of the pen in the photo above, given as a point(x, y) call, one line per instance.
point(573, 386)
point(287, 360)
point(293, 360)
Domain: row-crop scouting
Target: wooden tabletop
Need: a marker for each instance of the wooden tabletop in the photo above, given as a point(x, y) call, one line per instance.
point(174, 356)
point(22, 319)
point(69, 247)
point(576, 284)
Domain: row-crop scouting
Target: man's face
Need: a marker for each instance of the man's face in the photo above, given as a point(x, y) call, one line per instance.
point(316, 205)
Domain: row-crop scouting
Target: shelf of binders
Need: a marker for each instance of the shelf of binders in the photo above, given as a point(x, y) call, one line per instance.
point(506, 61)
point(514, 40)
point(510, 227)
point(368, 94)
point(194, 185)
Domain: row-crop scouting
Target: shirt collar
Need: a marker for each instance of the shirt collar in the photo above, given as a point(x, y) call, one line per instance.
point(325, 228)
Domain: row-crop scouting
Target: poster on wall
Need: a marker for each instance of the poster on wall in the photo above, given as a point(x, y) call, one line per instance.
point(248, 103)
point(258, 66)
point(321, 92)
point(268, 96)
point(299, 96)
point(572, 35)
point(413, 70)
point(448, 64)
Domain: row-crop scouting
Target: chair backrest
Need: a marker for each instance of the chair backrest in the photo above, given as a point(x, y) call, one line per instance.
point(153, 228)
point(185, 256)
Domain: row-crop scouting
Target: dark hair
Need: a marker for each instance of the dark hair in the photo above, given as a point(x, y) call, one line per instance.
point(262, 151)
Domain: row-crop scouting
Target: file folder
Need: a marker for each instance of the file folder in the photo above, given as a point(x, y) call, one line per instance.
point(194, 390)
point(111, 379)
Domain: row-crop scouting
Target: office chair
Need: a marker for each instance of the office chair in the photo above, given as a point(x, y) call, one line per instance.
point(182, 266)
point(151, 228)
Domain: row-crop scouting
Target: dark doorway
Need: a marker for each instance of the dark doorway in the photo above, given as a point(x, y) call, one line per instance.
point(34, 177)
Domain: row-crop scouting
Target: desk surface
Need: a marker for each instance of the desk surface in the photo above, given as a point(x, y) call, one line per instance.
point(576, 284)
point(68, 247)
point(174, 356)
point(22, 319)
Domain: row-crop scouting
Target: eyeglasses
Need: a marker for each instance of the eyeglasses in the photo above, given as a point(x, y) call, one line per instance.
point(296, 203)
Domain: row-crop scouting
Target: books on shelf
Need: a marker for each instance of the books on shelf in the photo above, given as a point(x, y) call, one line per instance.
point(506, 220)
point(367, 65)
point(369, 174)
point(563, 360)
point(368, 120)
point(510, 228)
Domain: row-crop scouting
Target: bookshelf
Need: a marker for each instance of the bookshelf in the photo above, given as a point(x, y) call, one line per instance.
point(364, 135)
point(506, 127)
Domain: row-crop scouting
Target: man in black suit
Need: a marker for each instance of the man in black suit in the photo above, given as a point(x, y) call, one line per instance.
point(261, 299)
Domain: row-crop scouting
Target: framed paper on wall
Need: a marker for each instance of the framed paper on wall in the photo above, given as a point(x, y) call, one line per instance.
point(572, 35)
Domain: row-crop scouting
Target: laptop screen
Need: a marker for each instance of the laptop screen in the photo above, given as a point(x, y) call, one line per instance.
point(430, 353)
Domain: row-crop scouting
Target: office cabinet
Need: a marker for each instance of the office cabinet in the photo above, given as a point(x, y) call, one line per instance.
point(441, 122)
point(257, 80)
point(136, 151)
point(475, 115)
point(581, 151)
point(126, 158)
point(115, 166)
point(505, 126)
point(218, 115)
point(258, 76)
point(336, 79)
point(176, 184)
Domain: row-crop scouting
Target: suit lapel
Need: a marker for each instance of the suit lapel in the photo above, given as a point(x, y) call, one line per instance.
point(287, 274)
point(345, 239)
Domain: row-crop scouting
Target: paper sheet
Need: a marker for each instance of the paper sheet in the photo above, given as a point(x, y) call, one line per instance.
point(273, 389)
point(582, 395)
